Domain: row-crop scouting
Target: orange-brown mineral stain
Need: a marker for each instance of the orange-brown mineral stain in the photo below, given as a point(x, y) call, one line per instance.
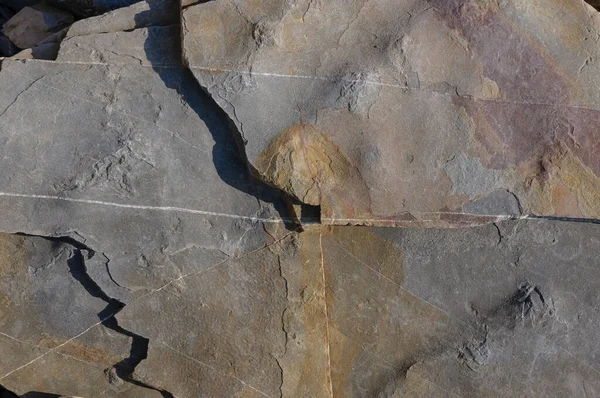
point(306, 164)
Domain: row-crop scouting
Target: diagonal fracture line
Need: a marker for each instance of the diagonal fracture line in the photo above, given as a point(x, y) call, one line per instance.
point(46, 348)
point(211, 267)
point(138, 298)
point(216, 370)
point(56, 348)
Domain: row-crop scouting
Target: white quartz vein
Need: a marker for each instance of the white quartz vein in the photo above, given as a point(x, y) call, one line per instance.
point(211, 70)
point(144, 207)
point(55, 348)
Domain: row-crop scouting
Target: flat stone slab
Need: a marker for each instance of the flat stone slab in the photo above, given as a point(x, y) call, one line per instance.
point(149, 247)
point(332, 311)
point(122, 154)
point(412, 112)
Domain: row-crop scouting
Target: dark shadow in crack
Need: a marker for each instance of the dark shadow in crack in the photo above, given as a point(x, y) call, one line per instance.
point(594, 3)
point(6, 393)
point(125, 368)
point(228, 154)
point(139, 344)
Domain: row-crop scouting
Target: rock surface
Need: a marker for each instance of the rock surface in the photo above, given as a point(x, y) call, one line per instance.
point(155, 244)
point(32, 25)
point(444, 112)
point(139, 15)
point(316, 314)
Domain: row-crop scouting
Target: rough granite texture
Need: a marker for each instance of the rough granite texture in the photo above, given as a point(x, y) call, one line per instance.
point(157, 240)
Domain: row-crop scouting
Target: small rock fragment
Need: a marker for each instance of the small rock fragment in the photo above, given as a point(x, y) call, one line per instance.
point(32, 25)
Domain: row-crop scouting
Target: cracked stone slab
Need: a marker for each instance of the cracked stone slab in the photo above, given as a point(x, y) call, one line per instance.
point(131, 160)
point(127, 154)
point(344, 311)
point(44, 304)
point(195, 286)
point(252, 326)
point(258, 326)
point(438, 312)
point(413, 113)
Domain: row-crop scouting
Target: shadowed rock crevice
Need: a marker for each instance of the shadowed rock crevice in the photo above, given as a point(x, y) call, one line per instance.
point(125, 368)
point(229, 155)
point(5, 393)
point(594, 3)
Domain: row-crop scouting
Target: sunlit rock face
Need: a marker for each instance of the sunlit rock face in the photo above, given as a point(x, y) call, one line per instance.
point(177, 182)
point(448, 112)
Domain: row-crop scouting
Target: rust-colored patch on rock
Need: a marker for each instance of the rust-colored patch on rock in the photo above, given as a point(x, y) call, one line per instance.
point(361, 244)
point(90, 354)
point(79, 351)
point(13, 265)
point(303, 162)
point(560, 184)
point(13, 255)
point(307, 165)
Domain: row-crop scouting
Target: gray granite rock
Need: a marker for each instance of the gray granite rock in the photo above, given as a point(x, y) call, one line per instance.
point(137, 142)
point(140, 149)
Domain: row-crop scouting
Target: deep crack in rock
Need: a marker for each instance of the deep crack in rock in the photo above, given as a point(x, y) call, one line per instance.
point(124, 369)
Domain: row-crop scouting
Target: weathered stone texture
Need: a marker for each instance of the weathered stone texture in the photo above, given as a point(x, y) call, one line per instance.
point(150, 245)
point(32, 25)
point(436, 105)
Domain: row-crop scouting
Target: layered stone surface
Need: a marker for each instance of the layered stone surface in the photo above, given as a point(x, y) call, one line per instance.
point(318, 314)
point(128, 152)
point(428, 112)
point(154, 244)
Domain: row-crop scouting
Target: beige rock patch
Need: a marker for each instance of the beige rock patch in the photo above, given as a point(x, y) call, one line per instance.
point(304, 163)
point(563, 186)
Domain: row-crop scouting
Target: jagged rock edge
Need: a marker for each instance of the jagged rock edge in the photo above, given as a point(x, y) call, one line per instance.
point(129, 376)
